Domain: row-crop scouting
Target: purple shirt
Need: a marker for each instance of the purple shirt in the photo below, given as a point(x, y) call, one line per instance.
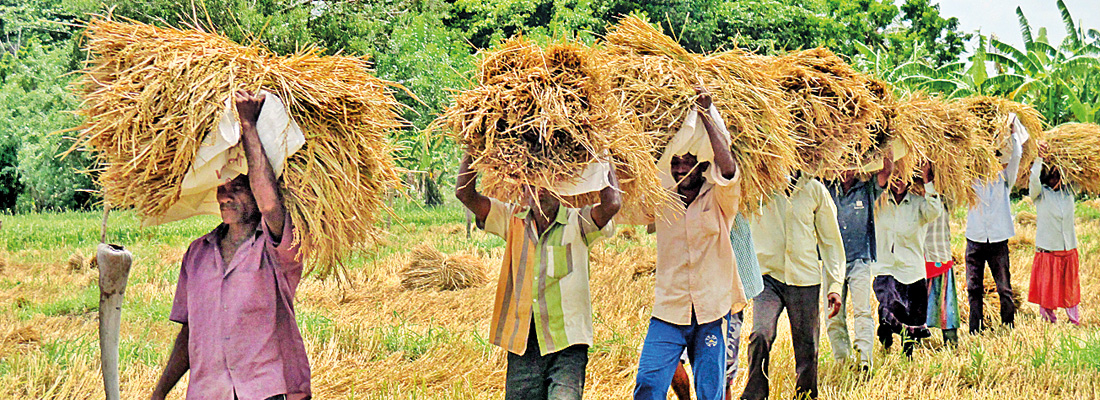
point(243, 336)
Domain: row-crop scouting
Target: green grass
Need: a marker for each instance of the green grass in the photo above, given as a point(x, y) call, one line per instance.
point(400, 338)
point(75, 304)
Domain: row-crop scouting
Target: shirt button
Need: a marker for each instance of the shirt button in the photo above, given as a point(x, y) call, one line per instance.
point(226, 338)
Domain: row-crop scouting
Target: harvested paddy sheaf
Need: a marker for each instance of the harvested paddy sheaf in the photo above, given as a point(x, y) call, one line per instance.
point(993, 115)
point(1075, 151)
point(151, 95)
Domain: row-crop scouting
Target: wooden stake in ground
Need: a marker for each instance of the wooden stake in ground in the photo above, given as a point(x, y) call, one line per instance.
point(114, 270)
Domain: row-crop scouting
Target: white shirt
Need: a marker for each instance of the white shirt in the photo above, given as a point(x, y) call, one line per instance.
point(900, 232)
point(990, 220)
point(1054, 229)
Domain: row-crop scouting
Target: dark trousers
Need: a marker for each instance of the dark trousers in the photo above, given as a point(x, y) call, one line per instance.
point(556, 376)
point(802, 305)
point(899, 305)
point(996, 255)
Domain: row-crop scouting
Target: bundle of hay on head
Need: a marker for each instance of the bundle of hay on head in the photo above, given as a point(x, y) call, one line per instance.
point(944, 133)
point(655, 79)
point(430, 269)
point(542, 116)
point(1074, 149)
point(994, 115)
point(832, 106)
point(153, 97)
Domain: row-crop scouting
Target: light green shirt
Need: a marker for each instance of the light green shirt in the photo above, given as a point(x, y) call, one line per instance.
point(791, 230)
point(900, 230)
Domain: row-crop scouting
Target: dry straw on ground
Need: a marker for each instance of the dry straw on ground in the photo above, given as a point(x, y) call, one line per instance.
point(655, 79)
point(430, 269)
point(945, 134)
point(1075, 151)
point(833, 109)
point(152, 94)
point(540, 115)
point(993, 114)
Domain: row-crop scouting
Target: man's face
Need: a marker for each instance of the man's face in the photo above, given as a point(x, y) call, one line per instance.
point(544, 202)
point(236, 201)
point(688, 171)
point(898, 187)
point(849, 176)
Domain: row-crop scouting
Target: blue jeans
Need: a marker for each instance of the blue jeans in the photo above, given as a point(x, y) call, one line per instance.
point(706, 346)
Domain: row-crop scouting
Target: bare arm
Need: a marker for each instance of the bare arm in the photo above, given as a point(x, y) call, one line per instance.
point(178, 364)
point(723, 157)
point(261, 177)
point(610, 201)
point(466, 192)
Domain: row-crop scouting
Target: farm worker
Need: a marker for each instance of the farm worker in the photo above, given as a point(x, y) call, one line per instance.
point(749, 271)
point(900, 284)
point(791, 230)
point(854, 198)
point(988, 228)
point(1054, 280)
point(697, 282)
point(542, 314)
point(943, 301)
point(236, 288)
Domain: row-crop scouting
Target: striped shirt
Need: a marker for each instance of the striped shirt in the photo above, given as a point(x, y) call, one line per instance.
point(544, 279)
point(937, 246)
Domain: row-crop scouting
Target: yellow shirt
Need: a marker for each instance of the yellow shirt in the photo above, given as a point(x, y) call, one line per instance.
point(790, 231)
point(696, 268)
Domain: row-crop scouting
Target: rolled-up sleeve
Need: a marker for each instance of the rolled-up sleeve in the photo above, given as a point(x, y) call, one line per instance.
point(496, 222)
point(829, 241)
point(179, 302)
point(287, 252)
point(727, 193)
point(932, 207)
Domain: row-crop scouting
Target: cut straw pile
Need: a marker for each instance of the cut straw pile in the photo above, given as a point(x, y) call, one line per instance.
point(430, 269)
point(1075, 150)
point(948, 136)
point(993, 113)
point(654, 78)
point(539, 116)
point(152, 94)
point(833, 109)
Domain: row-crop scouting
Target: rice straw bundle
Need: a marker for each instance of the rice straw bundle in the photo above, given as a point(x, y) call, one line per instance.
point(430, 269)
point(540, 116)
point(993, 113)
point(1075, 150)
point(833, 109)
point(944, 134)
point(152, 94)
point(654, 78)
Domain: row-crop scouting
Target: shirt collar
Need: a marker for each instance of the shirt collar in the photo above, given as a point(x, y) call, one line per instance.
point(219, 231)
point(561, 218)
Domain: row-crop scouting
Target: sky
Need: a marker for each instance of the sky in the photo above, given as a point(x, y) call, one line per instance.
point(999, 17)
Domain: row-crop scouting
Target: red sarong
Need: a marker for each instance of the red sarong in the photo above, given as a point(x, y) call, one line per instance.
point(1054, 280)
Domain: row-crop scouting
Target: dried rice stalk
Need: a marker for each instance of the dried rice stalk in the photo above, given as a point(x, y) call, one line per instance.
point(1075, 151)
point(944, 133)
point(993, 114)
point(654, 78)
point(152, 94)
point(430, 269)
point(833, 109)
point(539, 116)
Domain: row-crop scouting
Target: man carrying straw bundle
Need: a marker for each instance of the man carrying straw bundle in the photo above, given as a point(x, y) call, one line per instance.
point(792, 229)
point(900, 284)
point(543, 310)
point(236, 289)
point(988, 228)
point(697, 280)
point(855, 197)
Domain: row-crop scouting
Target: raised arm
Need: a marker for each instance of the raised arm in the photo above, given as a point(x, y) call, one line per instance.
point(466, 192)
point(1034, 184)
point(261, 177)
point(882, 177)
point(178, 364)
point(610, 201)
point(1012, 170)
point(723, 157)
point(933, 205)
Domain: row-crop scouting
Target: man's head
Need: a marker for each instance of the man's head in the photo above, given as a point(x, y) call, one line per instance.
point(899, 186)
point(849, 176)
point(688, 171)
point(237, 203)
point(541, 200)
point(1051, 177)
